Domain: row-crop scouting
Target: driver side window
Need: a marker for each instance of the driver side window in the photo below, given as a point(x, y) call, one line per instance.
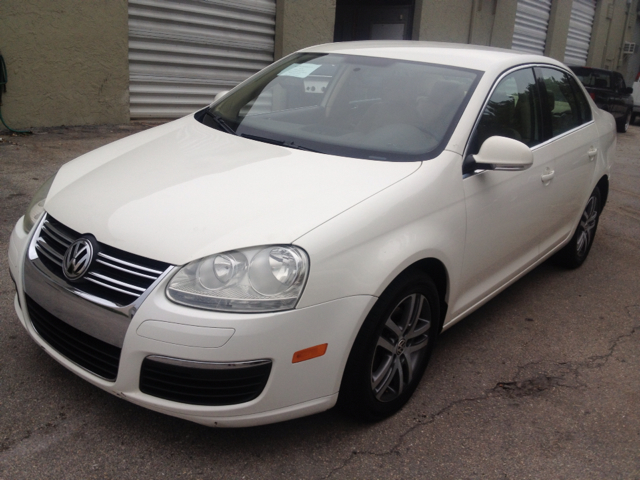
point(512, 111)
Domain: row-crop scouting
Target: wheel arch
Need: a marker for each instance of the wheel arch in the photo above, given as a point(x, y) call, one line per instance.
point(437, 271)
point(603, 186)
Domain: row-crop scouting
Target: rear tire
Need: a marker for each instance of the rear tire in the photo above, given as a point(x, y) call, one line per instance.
point(575, 252)
point(392, 349)
point(623, 123)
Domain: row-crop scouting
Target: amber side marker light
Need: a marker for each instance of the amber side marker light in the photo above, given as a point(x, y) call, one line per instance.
point(309, 353)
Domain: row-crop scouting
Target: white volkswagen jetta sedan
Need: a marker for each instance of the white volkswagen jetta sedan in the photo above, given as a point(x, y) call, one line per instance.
point(303, 240)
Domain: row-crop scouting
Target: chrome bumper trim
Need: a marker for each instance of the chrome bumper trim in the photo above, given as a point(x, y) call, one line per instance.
point(207, 365)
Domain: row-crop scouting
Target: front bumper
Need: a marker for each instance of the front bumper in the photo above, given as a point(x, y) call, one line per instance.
point(160, 328)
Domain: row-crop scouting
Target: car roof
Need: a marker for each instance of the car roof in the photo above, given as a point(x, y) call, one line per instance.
point(474, 57)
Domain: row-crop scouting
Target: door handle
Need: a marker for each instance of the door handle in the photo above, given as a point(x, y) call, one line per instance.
point(546, 177)
point(592, 153)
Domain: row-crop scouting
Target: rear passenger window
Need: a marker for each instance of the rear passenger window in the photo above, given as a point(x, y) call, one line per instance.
point(512, 111)
point(585, 107)
point(562, 101)
point(618, 81)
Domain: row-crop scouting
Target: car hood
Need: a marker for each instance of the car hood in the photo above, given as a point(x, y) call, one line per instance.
point(182, 191)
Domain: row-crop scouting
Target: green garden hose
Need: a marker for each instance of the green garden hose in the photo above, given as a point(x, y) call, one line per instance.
point(3, 88)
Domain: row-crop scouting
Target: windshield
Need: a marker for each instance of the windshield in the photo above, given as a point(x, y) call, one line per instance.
point(354, 106)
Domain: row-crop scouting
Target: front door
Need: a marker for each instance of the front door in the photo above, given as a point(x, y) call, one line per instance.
point(504, 208)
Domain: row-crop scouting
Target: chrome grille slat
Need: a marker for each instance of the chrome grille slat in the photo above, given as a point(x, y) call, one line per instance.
point(122, 262)
point(62, 243)
point(57, 233)
point(110, 265)
point(42, 243)
point(111, 287)
point(116, 276)
point(52, 255)
point(121, 284)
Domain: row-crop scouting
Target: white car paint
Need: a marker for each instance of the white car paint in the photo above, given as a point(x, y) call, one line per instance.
point(140, 194)
point(361, 222)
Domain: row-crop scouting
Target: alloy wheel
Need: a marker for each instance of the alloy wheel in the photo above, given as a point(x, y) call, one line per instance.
point(587, 224)
point(400, 348)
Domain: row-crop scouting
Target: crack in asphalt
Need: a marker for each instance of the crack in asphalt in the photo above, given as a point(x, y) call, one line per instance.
point(515, 388)
point(394, 450)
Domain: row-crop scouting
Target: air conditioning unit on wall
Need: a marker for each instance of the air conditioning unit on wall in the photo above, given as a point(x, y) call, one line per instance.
point(629, 48)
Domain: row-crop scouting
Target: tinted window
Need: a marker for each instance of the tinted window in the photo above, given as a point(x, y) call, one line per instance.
point(618, 81)
point(593, 78)
point(583, 103)
point(512, 111)
point(565, 113)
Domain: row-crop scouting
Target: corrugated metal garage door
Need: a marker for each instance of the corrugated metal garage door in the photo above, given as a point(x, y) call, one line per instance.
point(530, 31)
point(183, 52)
point(579, 37)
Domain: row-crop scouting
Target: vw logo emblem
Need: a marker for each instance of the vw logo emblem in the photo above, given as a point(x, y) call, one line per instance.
point(77, 259)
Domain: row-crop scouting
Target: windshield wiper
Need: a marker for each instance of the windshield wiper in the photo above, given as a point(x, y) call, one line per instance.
point(263, 139)
point(281, 143)
point(219, 120)
point(300, 147)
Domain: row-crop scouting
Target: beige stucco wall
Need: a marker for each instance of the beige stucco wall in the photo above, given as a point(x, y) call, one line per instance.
point(302, 23)
point(445, 21)
point(558, 29)
point(66, 62)
point(614, 24)
point(479, 22)
point(633, 64)
point(504, 23)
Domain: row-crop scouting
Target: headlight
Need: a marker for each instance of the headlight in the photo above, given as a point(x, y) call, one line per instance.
point(261, 279)
point(36, 207)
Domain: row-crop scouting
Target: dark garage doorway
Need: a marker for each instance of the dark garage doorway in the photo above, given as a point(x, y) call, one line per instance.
point(373, 20)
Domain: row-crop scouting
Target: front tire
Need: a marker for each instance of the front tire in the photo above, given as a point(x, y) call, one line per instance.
point(575, 252)
point(392, 349)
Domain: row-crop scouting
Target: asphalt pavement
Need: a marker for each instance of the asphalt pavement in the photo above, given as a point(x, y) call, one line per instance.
point(543, 382)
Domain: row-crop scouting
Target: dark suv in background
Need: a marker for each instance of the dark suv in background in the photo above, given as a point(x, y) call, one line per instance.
point(610, 93)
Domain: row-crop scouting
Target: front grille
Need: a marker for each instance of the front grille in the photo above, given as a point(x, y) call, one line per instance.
point(84, 350)
point(115, 275)
point(203, 386)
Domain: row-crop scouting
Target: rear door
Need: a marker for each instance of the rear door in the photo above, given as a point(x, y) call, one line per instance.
point(570, 149)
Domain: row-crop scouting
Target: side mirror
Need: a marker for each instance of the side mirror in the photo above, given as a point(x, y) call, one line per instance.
point(219, 95)
point(501, 153)
point(626, 90)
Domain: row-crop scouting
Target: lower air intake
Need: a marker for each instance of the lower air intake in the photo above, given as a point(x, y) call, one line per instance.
point(200, 385)
point(96, 356)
